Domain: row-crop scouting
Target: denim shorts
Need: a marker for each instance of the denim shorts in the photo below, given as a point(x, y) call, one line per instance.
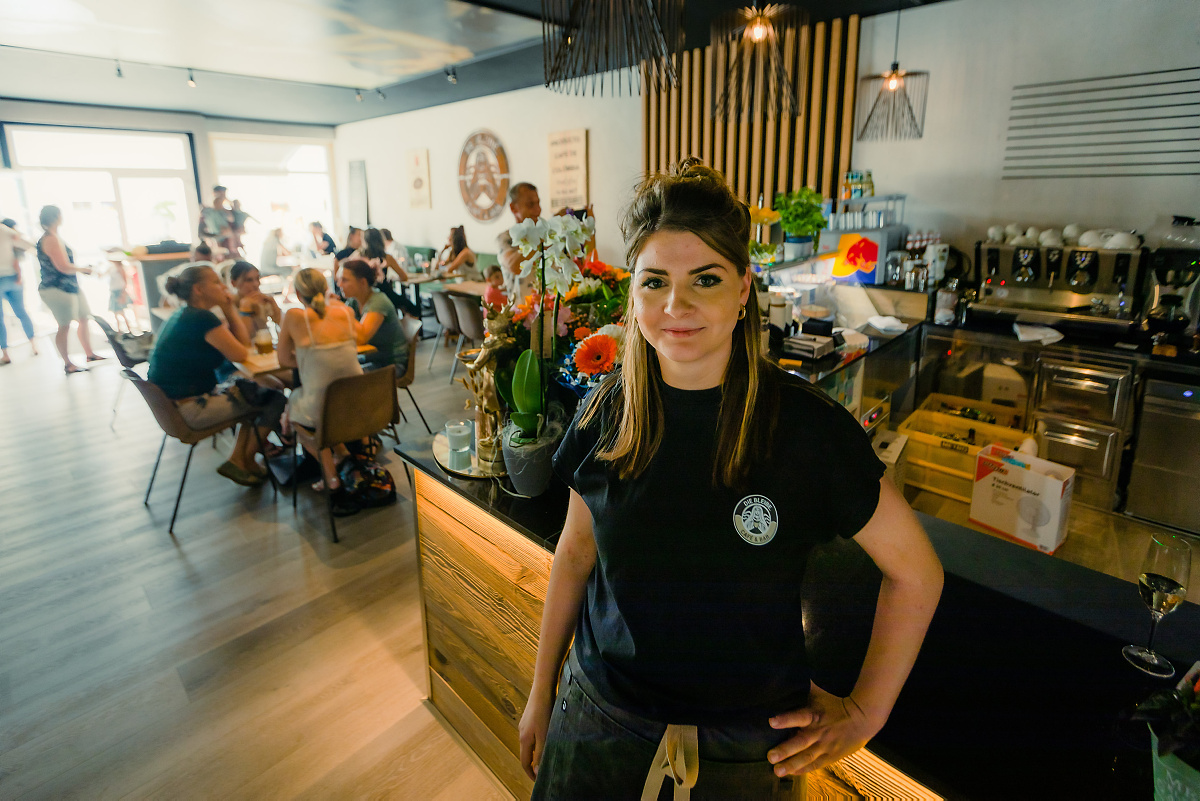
point(595, 750)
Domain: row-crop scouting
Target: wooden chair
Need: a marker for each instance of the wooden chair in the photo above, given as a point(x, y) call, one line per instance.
point(412, 332)
point(173, 425)
point(355, 407)
point(126, 361)
point(443, 309)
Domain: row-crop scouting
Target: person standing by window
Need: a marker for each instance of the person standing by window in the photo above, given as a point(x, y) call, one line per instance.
point(11, 287)
point(701, 478)
point(59, 289)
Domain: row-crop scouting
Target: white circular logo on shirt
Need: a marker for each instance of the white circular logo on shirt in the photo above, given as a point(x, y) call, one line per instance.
point(756, 519)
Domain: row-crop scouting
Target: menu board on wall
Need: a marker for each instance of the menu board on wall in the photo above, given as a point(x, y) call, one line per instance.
point(569, 169)
point(418, 179)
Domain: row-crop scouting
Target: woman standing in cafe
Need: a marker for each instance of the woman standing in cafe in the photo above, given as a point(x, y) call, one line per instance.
point(60, 291)
point(192, 344)
point(701, 477)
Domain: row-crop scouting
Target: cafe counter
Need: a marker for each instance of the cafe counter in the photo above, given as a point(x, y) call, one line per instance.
point(1018, 690)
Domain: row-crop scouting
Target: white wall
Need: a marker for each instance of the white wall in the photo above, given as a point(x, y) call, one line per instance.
point(523, 121)
point(975, 52)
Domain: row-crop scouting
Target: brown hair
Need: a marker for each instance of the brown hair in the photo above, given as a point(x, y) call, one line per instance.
point(310, 286)
point(181, 285)
point(695, 199)
point(360, 269)
point(458, 241)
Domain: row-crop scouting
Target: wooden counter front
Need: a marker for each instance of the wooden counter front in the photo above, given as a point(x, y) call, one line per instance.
point(482, 590)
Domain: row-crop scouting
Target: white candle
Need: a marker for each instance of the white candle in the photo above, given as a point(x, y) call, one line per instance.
point(460, 435)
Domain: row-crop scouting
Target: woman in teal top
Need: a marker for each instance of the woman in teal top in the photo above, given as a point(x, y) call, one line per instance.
point(192, 344)
point(378, 323)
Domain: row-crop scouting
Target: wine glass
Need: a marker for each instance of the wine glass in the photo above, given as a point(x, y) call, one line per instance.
point(1163, 585)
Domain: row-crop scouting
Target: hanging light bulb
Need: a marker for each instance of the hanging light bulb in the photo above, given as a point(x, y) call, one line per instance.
point(892, 105)
point(757, 67)
point(119, 73)
point(358, 95)
point(451, 75)
point(759, 29)
point(382, 96)
point(191, 79)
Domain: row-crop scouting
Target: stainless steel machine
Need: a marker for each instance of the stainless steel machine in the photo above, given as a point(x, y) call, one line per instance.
point(1084, 287)
point(1166, 469)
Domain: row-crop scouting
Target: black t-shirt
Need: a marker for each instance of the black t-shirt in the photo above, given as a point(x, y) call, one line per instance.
point(344, 253)
point(329, 245)
point(693, 610)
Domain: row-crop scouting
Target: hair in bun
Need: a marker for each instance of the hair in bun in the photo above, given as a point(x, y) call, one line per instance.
point(181, 285)
point(690, 197)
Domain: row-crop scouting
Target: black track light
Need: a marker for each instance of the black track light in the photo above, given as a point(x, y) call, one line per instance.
point(119, 73)
point(451, 75)
point(191, 79)
point(382, 96)
point(358, 95)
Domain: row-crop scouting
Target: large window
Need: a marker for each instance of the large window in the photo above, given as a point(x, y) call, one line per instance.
point(281, 183)
point(115, 189)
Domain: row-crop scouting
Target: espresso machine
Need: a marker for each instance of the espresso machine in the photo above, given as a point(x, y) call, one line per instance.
point(1086, 288)
point(1171, 314)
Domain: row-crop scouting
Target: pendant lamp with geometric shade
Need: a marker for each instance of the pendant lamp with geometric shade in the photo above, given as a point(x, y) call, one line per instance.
point(892, 105)
point(757, 69)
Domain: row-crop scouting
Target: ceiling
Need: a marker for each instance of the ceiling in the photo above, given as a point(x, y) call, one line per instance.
point(307, 61)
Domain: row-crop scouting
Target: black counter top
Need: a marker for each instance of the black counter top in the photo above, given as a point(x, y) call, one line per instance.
point(1134, 345)
point(816, 370)
point(540, 519)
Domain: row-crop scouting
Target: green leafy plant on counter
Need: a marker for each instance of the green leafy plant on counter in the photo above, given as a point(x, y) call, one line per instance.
point(527, 403)
point(1174, 717)
point(800, 212)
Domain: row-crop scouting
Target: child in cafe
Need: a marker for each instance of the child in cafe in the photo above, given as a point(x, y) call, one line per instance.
point(119, 301)
point(494, 294)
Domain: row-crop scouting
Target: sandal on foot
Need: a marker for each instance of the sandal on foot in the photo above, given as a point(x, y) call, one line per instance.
point(239, 476)
point(319, 486)
point(97, 358)
point(71, 368)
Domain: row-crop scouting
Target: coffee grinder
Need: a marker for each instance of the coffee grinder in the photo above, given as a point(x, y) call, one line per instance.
point(1172, 311)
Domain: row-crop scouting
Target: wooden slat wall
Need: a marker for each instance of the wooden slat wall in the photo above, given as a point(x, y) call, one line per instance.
point(758, 152)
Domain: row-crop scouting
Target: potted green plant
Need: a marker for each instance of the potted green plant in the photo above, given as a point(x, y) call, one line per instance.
point(1174, 718)
point(801, 218)
point(551, 245)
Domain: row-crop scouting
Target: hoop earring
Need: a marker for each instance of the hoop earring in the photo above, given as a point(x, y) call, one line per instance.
point(742, 312)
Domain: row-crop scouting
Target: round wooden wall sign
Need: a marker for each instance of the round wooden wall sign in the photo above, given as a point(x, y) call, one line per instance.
point(483, 176)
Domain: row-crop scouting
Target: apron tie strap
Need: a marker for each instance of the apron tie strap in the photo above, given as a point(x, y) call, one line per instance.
point(678, 758)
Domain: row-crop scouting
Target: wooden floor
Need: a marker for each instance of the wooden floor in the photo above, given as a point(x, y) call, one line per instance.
point(247, 657)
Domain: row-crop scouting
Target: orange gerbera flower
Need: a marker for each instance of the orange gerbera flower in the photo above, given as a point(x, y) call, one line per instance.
point(596, 354)
point(582, 332)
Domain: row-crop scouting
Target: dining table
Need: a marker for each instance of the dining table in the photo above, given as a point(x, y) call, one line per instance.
point(256, 364)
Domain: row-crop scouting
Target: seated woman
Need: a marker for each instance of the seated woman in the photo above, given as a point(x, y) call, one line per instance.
point(456, 259)
point(254, 307)
point(378, 323)
point(320, 341)
point(192, 344)
point(374, 252)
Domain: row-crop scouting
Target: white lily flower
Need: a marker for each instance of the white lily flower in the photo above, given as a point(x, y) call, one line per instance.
point(528, 235)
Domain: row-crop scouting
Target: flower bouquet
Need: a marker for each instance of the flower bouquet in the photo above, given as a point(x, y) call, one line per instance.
point(597, 341)
point(553, 247)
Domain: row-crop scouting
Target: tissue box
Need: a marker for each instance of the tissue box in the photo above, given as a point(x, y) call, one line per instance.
point(1022, 497)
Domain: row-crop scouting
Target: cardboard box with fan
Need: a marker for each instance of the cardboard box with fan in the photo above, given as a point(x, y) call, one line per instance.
point(1022, 497)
